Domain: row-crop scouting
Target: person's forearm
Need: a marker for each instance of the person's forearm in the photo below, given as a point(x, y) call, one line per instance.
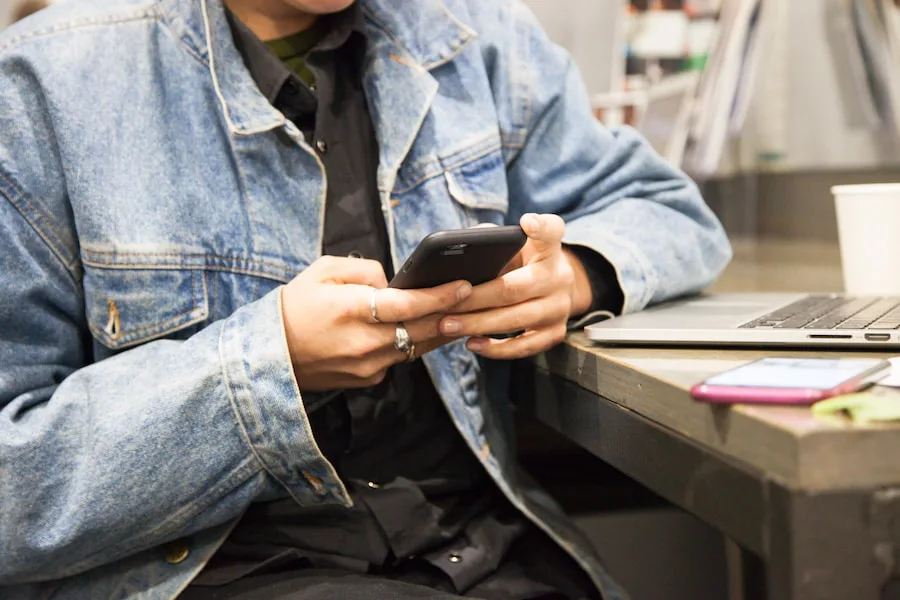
point(618, 197)
point(159, 442)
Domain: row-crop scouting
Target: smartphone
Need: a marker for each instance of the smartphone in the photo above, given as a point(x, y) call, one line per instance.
point(476, 255)
point(791, 380)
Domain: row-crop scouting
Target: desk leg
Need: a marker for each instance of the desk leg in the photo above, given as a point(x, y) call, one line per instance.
point(753, 572)
point(746, 573)
point(826, 546)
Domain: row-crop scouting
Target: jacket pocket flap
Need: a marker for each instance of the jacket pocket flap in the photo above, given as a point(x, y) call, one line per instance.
point(126, 307)
point(479, 182)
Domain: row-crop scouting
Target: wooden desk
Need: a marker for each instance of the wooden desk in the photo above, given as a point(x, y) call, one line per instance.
point(817, 500)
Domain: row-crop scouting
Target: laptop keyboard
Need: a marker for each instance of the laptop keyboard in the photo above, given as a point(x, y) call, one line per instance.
point(832, 312)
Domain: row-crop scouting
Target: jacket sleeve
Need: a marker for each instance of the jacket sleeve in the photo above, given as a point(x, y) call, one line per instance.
point(618, 196)
point(99, 460)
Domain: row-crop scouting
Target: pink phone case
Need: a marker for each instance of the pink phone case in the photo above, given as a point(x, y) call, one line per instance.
point(727, 394)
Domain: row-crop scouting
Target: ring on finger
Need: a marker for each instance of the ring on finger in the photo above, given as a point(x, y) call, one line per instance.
point(403, 343)
point(373, 307)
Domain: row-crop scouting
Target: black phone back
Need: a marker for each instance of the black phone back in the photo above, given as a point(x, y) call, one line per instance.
point(475, 255)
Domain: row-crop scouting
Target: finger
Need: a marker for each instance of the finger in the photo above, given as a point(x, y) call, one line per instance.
point(387, 357)
point(421, 331)
point(533, 314)
point(544, 231)
point(425, 329)
point(395, 305)
point(525, 283)
point(372, 339)
point(361, 271)
point(528, 344)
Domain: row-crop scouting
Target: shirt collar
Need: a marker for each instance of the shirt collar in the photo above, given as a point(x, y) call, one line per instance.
point(341, 26)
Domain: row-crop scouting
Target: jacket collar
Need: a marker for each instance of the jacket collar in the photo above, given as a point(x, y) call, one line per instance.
point(426, 36)
point(202, 26)
point(429, 32)
point(404, 43)
point(425, 29)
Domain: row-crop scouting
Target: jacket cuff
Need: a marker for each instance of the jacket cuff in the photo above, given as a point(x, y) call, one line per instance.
point(633, 272)
point(263, 391)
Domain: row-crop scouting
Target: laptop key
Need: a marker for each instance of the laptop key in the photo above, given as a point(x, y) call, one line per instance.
point(890, 320)
point(810, 305)
point(802, 319)
point(884, 325)
point(796, 322)
point(800, 306)
point(837, 316)
point(869, 315)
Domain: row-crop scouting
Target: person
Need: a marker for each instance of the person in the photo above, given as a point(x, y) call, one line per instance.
point(207, 388)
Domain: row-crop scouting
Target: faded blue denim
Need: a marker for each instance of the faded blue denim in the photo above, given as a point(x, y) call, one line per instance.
point(151, 204)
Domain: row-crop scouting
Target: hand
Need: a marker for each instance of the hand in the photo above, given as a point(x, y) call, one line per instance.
point(333, 341)
point(541, 288)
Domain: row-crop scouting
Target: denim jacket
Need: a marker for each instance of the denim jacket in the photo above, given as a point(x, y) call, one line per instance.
point(152, 202)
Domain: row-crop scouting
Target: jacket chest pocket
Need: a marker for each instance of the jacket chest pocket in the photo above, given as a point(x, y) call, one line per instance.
point(450, 192)
point(127, 307)
point(478, 185)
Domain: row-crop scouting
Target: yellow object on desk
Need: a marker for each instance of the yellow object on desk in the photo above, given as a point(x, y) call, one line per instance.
point(878, 403)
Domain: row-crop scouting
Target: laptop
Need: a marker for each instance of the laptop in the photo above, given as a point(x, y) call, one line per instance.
point(759, 320)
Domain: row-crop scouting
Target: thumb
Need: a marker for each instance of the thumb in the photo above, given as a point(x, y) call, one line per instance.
point(545, 232)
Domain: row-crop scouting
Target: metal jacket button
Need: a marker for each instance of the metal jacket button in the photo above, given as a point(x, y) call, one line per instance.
point(176, 552)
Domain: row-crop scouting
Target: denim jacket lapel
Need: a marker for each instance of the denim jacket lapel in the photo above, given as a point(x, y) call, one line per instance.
point(203, 29)
point(403, 45)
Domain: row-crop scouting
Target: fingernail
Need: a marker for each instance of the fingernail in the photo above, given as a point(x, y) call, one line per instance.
point(463, 291)
point(451, 326)
point(533, 223)
point(475, 345)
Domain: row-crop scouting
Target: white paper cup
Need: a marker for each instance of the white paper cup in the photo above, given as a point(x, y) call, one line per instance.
point(868, 220)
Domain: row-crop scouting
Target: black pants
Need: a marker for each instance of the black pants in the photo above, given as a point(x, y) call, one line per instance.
point(534, 569)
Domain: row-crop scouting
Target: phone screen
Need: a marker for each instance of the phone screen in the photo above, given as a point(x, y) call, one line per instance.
point(801, 373)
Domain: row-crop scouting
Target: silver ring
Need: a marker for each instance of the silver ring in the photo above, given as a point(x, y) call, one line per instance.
point(403, 343)
point(373, 308)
